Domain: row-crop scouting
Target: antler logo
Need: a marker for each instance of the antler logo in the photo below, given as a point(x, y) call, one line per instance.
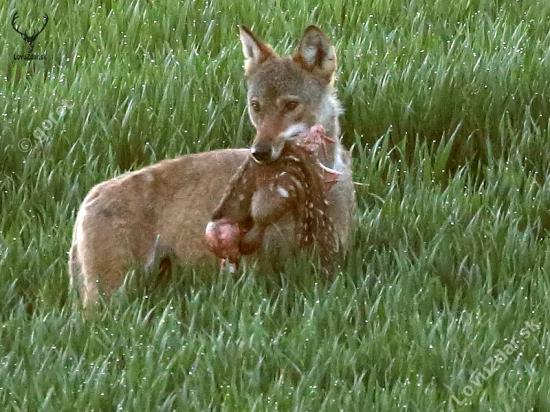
point(29, 39)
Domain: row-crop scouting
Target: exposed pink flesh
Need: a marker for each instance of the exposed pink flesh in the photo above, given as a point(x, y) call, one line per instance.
point(314, 139)
point(223, 238)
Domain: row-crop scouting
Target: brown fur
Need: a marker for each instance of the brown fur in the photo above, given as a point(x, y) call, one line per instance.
point(293, 184)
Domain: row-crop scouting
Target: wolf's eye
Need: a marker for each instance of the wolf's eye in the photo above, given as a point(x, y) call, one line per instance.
point(255, 105)
point(291, 105)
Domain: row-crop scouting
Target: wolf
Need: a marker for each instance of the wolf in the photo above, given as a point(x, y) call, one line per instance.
point(162, 210)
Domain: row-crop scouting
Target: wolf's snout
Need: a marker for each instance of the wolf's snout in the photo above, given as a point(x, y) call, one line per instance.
point(261, 153)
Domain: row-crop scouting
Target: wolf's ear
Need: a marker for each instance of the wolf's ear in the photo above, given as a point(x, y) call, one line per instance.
point(255, 50)
point(317, 54)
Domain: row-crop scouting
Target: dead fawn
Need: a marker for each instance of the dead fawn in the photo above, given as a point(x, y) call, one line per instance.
point(260, 194)
point(163, 210)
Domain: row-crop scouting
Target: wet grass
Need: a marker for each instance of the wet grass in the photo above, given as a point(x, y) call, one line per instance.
point(447, 110)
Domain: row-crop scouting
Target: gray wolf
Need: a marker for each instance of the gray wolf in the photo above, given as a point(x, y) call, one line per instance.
point(163, 209)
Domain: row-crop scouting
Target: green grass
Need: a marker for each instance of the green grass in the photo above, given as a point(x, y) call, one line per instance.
point(447, 108)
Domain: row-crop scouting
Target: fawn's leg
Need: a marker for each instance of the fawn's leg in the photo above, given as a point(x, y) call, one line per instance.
point(269, 204)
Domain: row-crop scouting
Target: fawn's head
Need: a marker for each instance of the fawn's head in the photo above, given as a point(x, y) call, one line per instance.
point(288, 95)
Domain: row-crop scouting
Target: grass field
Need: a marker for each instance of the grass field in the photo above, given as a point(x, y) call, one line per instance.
point(447, 108)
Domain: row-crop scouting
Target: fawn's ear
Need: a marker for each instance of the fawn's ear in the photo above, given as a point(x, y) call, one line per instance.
point(255, 50)
point(316, 54)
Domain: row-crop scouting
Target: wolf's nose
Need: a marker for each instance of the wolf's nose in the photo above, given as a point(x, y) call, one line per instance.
point(261, 153)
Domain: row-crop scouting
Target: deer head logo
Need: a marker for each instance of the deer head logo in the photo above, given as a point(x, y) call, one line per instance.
point(29, 39)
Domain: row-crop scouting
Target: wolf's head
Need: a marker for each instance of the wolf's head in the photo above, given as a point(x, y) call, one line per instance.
point(288, 95)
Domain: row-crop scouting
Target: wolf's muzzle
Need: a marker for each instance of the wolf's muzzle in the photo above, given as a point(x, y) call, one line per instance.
point(261, 153)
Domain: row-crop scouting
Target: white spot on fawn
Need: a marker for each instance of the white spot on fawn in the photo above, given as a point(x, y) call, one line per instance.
point(282, 191)
point(296, 182)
